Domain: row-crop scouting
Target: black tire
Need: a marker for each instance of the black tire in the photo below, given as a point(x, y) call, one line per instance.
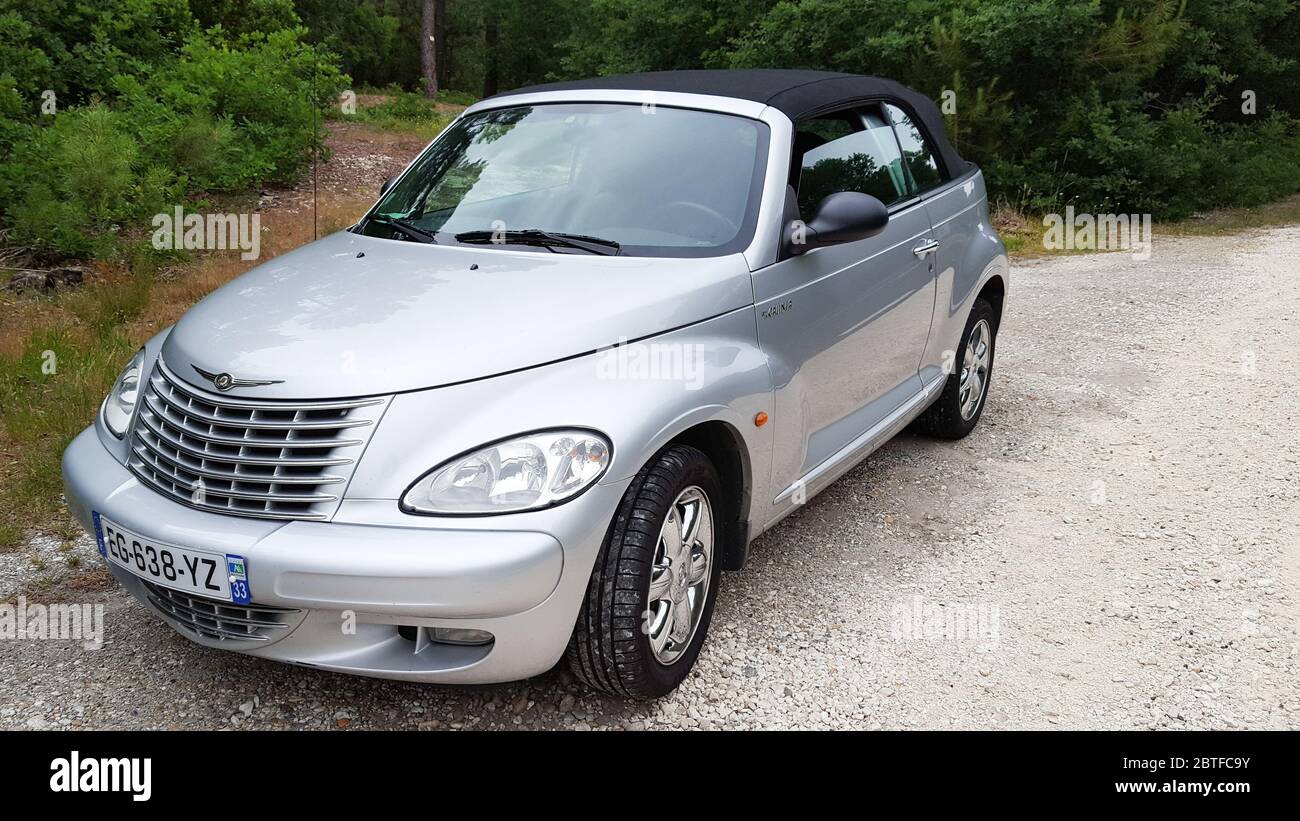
point(944, 418)
point(609, 650)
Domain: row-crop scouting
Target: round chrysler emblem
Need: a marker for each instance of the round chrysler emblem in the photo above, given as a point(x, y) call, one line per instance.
point(223, 381)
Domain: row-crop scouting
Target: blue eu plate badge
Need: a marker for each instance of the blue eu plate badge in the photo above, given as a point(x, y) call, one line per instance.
point(238, 571)
point(99, 533)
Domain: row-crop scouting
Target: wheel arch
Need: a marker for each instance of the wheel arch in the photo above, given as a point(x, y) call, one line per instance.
point(994, 291)
point(725, 447)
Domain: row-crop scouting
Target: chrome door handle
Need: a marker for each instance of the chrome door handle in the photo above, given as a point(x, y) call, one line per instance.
point(927, 247)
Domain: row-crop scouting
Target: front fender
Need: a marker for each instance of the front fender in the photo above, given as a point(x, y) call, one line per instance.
point(640, 395)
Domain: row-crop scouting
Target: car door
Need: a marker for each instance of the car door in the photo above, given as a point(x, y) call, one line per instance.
point(955, 208)
point(845, 326)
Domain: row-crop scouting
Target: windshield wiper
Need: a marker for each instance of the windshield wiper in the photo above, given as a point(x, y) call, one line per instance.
point(405, 228)
point(536, 236)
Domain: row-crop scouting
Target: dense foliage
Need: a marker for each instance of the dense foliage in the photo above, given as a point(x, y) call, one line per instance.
point(114, 111)
point(1133, 105)
point(1112, 105)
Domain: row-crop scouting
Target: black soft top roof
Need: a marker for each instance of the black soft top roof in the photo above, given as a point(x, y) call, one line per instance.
point(798, 94)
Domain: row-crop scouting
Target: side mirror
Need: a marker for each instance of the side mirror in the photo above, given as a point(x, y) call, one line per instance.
point(388, 183)
point(847, 216)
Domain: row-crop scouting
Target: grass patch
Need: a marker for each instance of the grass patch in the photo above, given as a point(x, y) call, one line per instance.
point(11, 537)
point(48, 393)
point(87, 585)
point(1235, 220)
point(407, 113)
point(1018, 233)
point(60, 354)
point(1023, 234)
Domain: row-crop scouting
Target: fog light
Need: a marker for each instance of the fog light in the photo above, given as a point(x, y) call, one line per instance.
point(460, 635)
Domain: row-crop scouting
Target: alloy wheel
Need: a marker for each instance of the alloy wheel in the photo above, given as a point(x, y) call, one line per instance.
point(975, 369)
point(680, 572)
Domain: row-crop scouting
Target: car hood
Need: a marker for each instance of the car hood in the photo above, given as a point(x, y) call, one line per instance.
point(351, 315)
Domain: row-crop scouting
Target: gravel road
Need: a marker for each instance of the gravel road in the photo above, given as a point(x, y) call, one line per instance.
point(1116, 546)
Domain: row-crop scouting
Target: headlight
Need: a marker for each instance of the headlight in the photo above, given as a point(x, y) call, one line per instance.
point(524, 473)
point(120, 403)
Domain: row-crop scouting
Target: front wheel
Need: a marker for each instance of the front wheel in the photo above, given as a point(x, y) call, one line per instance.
point(651, 593)
point(957, 410)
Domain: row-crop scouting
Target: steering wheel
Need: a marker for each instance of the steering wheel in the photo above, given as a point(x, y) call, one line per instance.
point(729, 228)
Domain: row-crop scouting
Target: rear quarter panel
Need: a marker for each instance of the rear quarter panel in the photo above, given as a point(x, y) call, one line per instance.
point(970, 254)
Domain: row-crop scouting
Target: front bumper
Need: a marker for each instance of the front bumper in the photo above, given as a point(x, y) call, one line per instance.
point(348, 585)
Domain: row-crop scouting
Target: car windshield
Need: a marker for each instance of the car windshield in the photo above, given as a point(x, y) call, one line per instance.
point(643, 180)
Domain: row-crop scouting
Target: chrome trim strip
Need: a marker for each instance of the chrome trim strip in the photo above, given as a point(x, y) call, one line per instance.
point(209, 473)
point(287, 461)
point(247, 404)
point(228, 511)
point(258, 424)
point(234, 442)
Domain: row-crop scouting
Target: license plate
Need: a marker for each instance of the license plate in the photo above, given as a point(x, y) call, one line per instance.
point(213, 575)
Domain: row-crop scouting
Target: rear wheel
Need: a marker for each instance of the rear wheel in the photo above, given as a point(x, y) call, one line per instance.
point(957, 410)
point(651, 593)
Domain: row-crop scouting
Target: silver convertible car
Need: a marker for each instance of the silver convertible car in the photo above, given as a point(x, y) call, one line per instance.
point(587, 347)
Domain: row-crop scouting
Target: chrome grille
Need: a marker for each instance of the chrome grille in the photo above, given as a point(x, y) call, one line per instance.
point(222, 620)
point(268, 459)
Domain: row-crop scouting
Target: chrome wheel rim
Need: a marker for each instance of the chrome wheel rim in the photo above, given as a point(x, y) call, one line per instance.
point(679, 575)
point(975, 369)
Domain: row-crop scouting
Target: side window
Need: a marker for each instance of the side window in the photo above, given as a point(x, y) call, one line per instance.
point(824, 129)
point(867, 160)
point(810, 134)
point(917, 151)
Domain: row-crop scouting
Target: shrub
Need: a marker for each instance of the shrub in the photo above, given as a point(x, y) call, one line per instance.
point(224, 114)
point(79, 181)
point(230, 118)
point(27, 67)
point(75, 48)
point(405, 111)
point(1111, 105)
